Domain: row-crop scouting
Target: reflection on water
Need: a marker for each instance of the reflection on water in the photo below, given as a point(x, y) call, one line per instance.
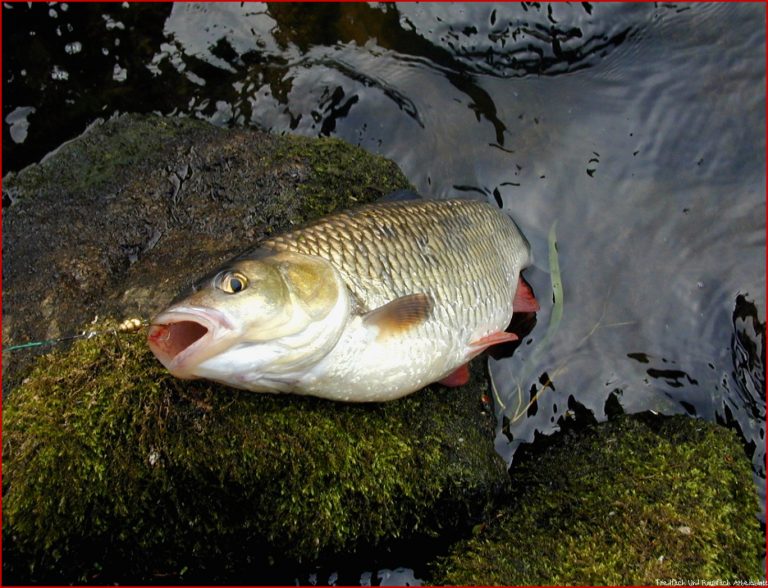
point(638, 128)
point(743, 387)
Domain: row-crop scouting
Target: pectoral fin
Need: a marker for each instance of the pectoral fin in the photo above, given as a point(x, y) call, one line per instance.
point(400, 315)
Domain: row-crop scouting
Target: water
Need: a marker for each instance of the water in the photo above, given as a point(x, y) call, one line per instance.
point(639, 129)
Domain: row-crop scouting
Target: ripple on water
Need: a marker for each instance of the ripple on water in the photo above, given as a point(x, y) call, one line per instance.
point(515, 40)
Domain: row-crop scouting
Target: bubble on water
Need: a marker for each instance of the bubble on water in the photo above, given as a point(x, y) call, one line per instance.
point(119, 74)
point(59, 74)
point(73, 48)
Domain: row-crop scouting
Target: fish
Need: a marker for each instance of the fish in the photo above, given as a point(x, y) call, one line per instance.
point(365, 305)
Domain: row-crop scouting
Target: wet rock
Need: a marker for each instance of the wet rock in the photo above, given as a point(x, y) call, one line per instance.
point(114, 471)
point(116, 222)
point(636, 500)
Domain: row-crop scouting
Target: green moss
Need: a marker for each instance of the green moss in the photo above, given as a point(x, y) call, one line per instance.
point(105, 154)
point(632, 501)
point(342, 175)
point(114, 470)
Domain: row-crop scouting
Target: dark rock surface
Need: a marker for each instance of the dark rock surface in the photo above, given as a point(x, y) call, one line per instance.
point(115, 222)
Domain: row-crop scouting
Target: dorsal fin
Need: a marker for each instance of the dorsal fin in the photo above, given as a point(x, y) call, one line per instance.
point(400, 315)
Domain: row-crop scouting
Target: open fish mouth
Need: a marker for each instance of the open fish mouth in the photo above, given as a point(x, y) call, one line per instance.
point(183, 338)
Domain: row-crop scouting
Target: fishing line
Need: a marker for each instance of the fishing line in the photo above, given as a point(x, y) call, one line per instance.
point(128, 326)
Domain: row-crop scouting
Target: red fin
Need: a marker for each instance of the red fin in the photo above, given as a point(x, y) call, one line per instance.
point(493, 339)
point(458, 377)
point(524, 299)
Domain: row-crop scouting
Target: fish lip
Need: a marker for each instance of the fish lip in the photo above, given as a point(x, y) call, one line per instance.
point(218, 326)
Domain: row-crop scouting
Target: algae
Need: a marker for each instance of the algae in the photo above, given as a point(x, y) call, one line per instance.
point(636, 500)
point(116, 471)
point(341, 176)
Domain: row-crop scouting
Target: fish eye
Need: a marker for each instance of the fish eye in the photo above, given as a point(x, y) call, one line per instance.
point(231, 282)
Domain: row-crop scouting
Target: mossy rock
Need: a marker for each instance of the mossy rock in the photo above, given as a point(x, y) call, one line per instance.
point(120, 219)
point(114, 470)
point(636, 500)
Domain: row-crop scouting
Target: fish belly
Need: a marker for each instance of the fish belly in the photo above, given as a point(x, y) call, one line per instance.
point(363, 369)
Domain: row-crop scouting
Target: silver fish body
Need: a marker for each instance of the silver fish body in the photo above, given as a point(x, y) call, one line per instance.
point(381, 300)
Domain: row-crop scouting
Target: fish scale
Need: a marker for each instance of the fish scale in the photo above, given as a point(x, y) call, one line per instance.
point(475, 254)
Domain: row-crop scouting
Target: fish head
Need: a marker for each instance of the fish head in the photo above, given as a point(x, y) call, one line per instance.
point(239, 317)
